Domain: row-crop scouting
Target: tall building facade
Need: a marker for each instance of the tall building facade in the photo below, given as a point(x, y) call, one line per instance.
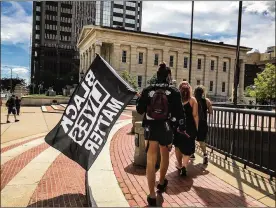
point(139, 53)
point(56, 29)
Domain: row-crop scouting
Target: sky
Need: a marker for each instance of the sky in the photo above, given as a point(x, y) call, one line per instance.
point(213, 21)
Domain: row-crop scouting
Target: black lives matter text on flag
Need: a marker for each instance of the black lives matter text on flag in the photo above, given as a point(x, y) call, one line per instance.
point(91, 113)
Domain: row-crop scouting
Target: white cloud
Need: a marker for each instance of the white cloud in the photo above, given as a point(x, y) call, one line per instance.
point(214, 20)
point(16, 25)
point(17, 71)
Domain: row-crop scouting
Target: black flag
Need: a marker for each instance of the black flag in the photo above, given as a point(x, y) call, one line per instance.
point(94, 107)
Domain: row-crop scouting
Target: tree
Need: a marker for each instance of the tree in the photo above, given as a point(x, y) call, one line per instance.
point(265, 84)
point(6, 83)
point(130, 79)
point(152, 80)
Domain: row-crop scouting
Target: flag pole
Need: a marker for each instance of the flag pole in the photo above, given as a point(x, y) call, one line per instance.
point(237, 67)
point(191, 43)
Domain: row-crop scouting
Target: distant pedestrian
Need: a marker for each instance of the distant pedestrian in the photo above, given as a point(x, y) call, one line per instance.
point(204, 106)
point(11, 108)
point(17, 105)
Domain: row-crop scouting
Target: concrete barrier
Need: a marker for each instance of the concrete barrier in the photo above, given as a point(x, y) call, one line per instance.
point(140, 155)
point(135, 118)
point(39, 101)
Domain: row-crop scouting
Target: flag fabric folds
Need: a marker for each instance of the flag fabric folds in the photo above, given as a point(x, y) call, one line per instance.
point(93, 109)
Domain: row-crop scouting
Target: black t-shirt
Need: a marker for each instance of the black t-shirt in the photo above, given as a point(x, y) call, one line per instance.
point(11, 102)
point(17, 102)
point(175, 104)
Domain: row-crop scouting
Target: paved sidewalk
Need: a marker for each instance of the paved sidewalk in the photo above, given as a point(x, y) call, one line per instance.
point(200, 188)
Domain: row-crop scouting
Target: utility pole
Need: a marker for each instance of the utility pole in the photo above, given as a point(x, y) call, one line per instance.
point(237, 67)
point(191, 43)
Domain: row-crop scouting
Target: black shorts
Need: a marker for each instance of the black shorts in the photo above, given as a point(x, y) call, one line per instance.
point(162, 133)
point(12, 110)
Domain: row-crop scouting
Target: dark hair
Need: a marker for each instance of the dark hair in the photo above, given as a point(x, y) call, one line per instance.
point(199, 92)
point(163, 72)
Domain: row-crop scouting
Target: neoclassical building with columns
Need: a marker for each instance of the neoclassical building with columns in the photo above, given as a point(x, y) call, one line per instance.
point(140, 53)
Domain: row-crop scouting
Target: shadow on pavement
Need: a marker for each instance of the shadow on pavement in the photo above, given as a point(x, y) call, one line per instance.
point(135, 170)
point(66, 200)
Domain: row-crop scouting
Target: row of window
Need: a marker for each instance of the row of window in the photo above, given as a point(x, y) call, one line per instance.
point(51, 17)
point(65, 29)
point(65, 19)
point(171, 63)
point(66, 10)
point(51, 8)
point(211, 85)
point(212, 65)
point(50, 27)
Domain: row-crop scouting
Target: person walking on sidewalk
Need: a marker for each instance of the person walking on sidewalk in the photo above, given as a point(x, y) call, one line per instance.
point(17, 105)
point(185, 146)
point(161, 105)
point(11, 108)
point(204, 106)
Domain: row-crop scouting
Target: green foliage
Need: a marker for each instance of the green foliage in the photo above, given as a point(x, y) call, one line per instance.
point(250, 91)
point(265, 84)
point(152, 80)
point(130, 79)
point(6, 83)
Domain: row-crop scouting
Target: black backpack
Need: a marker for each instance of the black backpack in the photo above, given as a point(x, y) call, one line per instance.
point(158, 109)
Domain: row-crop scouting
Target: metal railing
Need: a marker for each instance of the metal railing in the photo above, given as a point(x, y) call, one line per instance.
point(257, 107)
point(248, 136)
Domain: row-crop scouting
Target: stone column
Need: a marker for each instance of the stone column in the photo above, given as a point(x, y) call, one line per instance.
point(149, 65)
point(219, 67)
point(231, 76)
point(205, 69)
point(81, 63)
point(241, 80)
point(166, 57)
point(116, 56)
point(133, 59)
point(84, 61)
point(92, 52)
point(98, 47)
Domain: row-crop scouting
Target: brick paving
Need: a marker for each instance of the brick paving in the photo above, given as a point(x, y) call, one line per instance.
point(15, 165)
point(63, 185)
point(200, 188)
point(5, 149)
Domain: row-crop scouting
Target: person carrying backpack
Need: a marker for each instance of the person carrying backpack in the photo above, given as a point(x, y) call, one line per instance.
point(161, 105)
point(10, 104)
point(204, 106)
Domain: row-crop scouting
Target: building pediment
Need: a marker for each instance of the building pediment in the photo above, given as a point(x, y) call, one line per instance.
point(84, 33)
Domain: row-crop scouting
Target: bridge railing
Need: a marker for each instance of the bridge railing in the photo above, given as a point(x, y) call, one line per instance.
point(246, 135)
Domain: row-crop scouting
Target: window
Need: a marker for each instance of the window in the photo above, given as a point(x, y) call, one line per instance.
point(38, 8)
point(185, 62)
point(124, 54)
point(139, 81)
point(199, 64)
point(211, 86)
point(118, 10)
point(223, 87)
point(131, 4)
point(224, 66)
point(212, 65)
point(37, 27)
point(37, 18)
point(171, 61)
point(140, 61)
point(156, 59)
point(197, 82)
point(118, 19)
point(37, 36)
point(130, 12)
point(131, 21)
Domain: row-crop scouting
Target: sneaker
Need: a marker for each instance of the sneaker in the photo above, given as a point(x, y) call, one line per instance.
point(16, 120)
point(163, 187)
point(183, 171)
point(8, 121)
point(205, 159)
point(192, 157)
point(151, 201)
